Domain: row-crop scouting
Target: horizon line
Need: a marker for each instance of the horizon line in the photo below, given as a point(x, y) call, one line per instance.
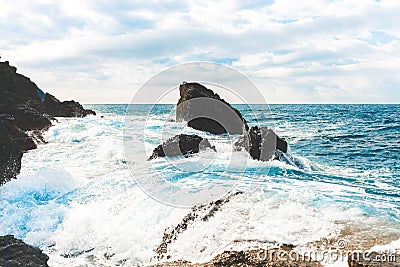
point(328, 103)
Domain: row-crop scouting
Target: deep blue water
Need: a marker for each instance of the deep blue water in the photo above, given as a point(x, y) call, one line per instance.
point(344, 169)
point(357, 145)
point(360, 136)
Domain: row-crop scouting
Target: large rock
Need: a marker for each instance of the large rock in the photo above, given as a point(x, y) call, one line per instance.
point(24, 107)
point(261, 143)
point(10, 157)
point(29, 118)
point(181, 145)
point(56, 108)
point(206, 111)
point(24, 141)
point(15, 253)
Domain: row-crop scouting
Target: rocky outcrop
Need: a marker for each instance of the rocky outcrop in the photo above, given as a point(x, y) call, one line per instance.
point(14, 253)
point(10, 156)
point(181, 145)
point(22, 109)
point(261, 143)
point(57, 108)
point(266, 254)
point(206, 111)
point(198, 213)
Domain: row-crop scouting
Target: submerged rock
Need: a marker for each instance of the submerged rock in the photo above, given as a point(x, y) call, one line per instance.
point(181, 145)
point(261, 143)
point(14, 252)
point(205, 110)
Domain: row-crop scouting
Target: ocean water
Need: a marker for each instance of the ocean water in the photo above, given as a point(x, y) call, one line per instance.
point(77, 200)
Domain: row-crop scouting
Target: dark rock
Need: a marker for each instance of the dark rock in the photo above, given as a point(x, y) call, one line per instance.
point(22, 109)
point(181, 145)
point(56, 108)
point(206, 111)
point(261, 143)
point(198, 213)
point(29, 118)
point(10, 156)
point(18, 136)
point(14, 252)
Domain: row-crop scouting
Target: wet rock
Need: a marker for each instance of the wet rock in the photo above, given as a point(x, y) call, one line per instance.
point(29, 118)
point(22, 109)
point(10, 156)
point(56, 108)
point(198, 213)
point(205, 110)
point(181, 145)
point(15, 253)
point(261, 143)
point(24, 141)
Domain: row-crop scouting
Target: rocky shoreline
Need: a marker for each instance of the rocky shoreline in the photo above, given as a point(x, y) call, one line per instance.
point(25, 111)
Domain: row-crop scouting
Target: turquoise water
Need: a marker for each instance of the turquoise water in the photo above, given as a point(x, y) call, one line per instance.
point(358, 145)
point(75, 193)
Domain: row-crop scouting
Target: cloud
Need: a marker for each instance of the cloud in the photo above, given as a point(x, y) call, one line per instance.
point(304, 51)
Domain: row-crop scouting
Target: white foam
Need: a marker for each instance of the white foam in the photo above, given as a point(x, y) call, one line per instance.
point(90, 202)
point(262, 217)
point(393, 246)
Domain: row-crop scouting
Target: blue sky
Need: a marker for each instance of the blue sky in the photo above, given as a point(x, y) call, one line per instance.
point(310, 51)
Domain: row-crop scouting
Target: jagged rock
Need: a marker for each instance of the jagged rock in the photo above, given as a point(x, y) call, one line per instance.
point(206, 111)
point(15, 253)
point(261, 143)
point(29, 118)
point(10, 157)
point(23, 141)
point(22, 109)
point(198, 213)
point(56, 108)
point(180, 145)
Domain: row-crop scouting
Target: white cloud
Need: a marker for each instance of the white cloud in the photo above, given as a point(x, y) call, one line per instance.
point(296, 51)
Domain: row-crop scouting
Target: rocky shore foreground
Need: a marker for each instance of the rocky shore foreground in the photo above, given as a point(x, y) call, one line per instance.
point(25, 111)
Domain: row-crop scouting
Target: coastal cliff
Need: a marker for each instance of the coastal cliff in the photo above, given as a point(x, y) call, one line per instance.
point(25, 111)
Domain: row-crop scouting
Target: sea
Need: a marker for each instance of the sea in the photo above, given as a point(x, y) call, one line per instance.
point(83, 198)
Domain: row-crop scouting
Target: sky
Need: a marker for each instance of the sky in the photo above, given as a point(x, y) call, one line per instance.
point(309, 51)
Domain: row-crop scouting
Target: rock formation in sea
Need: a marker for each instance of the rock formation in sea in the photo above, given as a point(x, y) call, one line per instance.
point(25, 111)
point(181, 145)
point(205, 110)
point(57, 108)
point(14, 252)
point(261, 143)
